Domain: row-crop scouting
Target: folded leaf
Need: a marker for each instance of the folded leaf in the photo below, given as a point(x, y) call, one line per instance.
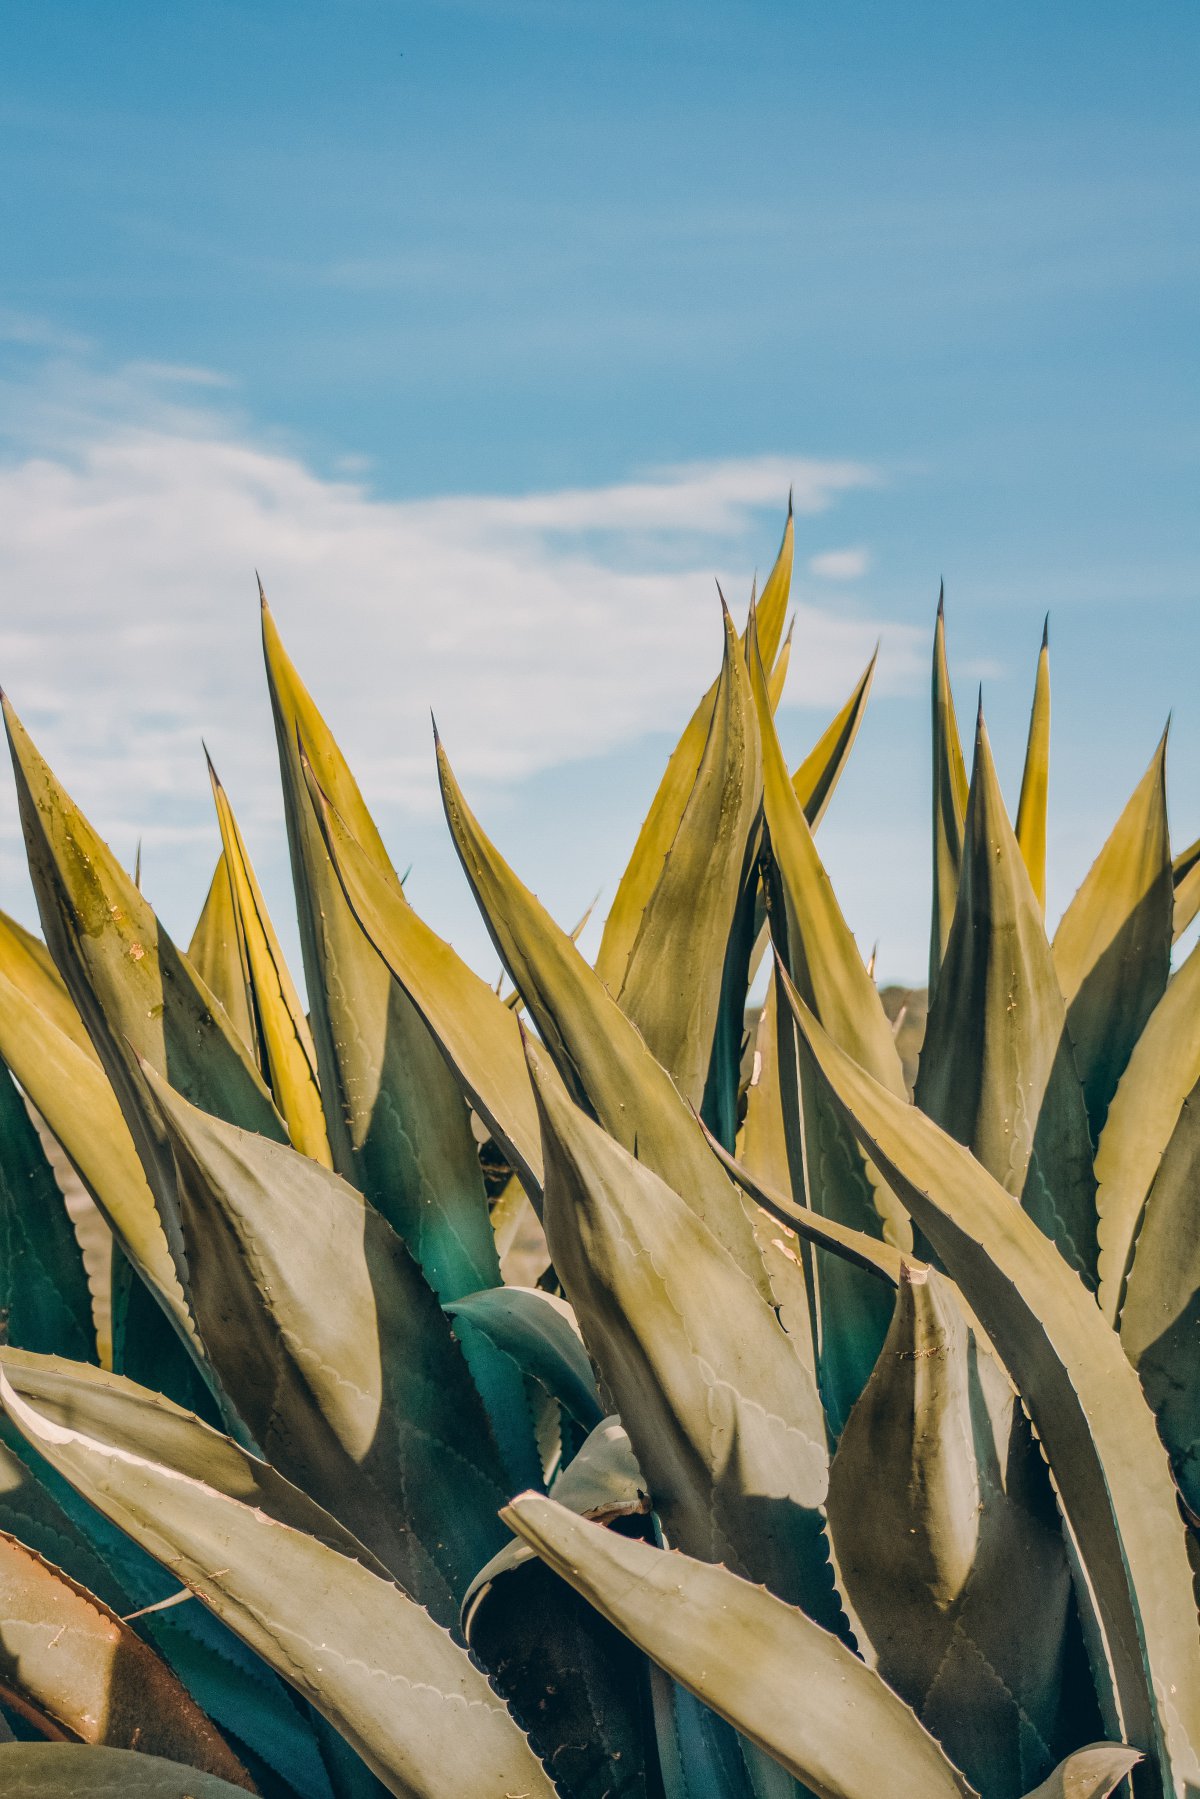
point(960, 1538)
point(821, 770)
point(949, 801)
point(397, 1124)
point(539, 1334)
point(748, 1656)
point(671, 986)
point(1185, 882)
point(997, 1070)
point(45, 1303)
point(287, 1056)
point(1083, 1397)
point(1112, 948)
point(725, 1425)
point(596, 1050)
point(1035, 778)
point(666, 810)
point(75, 1664)
point(1163, 1069)
point(365, 1403)
point(28, 965)
point(291, 1582)
point(216, 953)
point(77, 1771)
point(1091, 1773)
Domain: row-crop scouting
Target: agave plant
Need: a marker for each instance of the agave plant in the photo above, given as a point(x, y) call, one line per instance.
point(838, 1439)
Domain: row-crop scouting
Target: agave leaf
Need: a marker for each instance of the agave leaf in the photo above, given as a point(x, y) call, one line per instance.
point(961, 1536)
point(72, 1660)
point(1091, 1773)
point(1160, 1319)
point(288, 1057)
point(577, 1685)
point(777, 678)
point(747, 1654)
point(539, 1334)
point(79, 1771)
point(672, 981)
point(71, 1092)
point(1035, 778)
point(478, 1035)
point(949, 801)
point(1112, 948)
point(661, 824)
point(398, 1128)
point(821, 770)
point(997, 1070)
point(28, 965)
point(1185, 882)
point(366, 1404)
point(726, 1426)
point(292, 1583)
point(217, 954)
point(234, 1687)
point(1163, 1069)
point(596, 1049)
point(1082, 1395)
point(44, 1298)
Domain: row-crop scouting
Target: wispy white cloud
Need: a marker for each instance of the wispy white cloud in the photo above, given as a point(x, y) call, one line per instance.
point(839, 565)
point(540, 627)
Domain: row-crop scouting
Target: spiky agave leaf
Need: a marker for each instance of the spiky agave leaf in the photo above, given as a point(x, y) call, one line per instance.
point(1035, 777)
point(949, 801)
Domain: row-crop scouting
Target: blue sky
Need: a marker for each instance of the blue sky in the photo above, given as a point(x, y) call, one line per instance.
point(492, 331)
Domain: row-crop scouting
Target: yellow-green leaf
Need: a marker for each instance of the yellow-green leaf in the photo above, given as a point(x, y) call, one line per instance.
point(215, 952)
point(949, 801)
point(821, 770)
point(1035, 779)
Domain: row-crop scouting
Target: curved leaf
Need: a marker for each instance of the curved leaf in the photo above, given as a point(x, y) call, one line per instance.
point(397, 1124)
point(293, 1584)
point(1035, 777)
point(598, 1052)
point(538, 1332)
point(77, 1665)
point(661, 823)
point(45, 1302)
point(1160, 1319)
point(949, 801)
point(748, 1655)
point(1112, 948)
point(726, 1425)
point(821, 770)
point(1091, 1773)
point(288, 1058)
point(28, 965)
point(997, 1070)
point(1163, 1069)
point(77, 1771)
point(1081, 1393)
point(1185, 883)
point(960, 1538)
point(365, 1403)
point(579, 1687)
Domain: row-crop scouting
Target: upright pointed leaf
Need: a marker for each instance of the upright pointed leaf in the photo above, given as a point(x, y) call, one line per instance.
point(1082, 1395)
point(747, 1655)
point(216, 953)
point(661, 823)
point(821, 770)
point(366, 1403)
point(960, 1537)
point(1035, 780)
point(595, 1048)
point(949, 802)
point(287, 1579)
point(724, 1424)
point(77, 1665)
point(45, 1303)
point(1160, 1319)
point(1162, 1070)
point(1185, 882)
point(289, 1059)
point(1112, 949)
point(397, 1124)
point(997, 1069)
point(671, 987)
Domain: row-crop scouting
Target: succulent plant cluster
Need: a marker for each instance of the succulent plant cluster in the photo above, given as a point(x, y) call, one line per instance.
point(836, 1438)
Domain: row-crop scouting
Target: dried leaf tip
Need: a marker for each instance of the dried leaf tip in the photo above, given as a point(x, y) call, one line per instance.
point(941, 606)
point(1046, 632)
point(437, 736)
point(262, 595)
point(791, 492)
